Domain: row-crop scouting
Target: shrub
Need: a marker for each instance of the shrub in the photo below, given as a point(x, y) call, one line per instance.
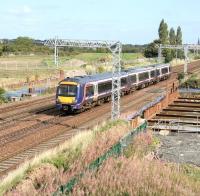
point(180, 76)
point(2, 97)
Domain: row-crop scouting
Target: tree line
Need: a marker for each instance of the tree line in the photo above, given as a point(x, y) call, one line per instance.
point(26, 46)
point(22, 46)
point(166, 36)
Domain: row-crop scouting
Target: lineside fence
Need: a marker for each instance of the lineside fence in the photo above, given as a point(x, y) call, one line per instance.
point(24, 67)
point(47, 81)
point(115, 150)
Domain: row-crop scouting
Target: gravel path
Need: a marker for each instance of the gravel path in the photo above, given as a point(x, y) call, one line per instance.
point(182, 148)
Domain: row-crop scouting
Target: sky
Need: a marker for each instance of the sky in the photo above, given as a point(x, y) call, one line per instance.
point(129, 21)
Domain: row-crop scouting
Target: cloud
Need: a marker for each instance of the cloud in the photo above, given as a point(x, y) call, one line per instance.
point(20, 11)
point(26, 9)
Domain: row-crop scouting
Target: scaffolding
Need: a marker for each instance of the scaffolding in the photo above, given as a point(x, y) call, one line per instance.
point(114, 47)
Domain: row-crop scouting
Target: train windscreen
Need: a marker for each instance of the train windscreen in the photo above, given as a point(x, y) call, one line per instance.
point(67, 90)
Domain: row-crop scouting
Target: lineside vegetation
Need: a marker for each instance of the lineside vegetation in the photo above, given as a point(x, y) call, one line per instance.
point(136, 172)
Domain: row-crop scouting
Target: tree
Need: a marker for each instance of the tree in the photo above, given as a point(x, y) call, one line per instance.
point(164, 39)
point(2, 98)
point(151, 49)
point(179, 40)
point(1, 50)
point(172, 37)
point(163, 32)
point(172, 41)
point(179, 36)
point(198, 41)
point(23, 44)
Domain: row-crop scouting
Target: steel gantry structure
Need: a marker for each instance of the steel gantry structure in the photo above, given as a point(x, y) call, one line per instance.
point(115, 47)
point(184, 47)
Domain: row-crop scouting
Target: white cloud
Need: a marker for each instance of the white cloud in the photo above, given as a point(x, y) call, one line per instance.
point(20, 10)
point(26, 9)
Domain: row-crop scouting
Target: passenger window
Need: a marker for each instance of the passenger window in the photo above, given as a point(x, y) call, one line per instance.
point(164, 70)
point(152, 74)
point(157, 72)
point(133, 79)
point(104, 87)
point(143, 76)
point(123, 81)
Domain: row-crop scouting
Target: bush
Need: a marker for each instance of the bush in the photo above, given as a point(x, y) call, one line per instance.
point(2, 97)
point(180, 76)
point(197, 57)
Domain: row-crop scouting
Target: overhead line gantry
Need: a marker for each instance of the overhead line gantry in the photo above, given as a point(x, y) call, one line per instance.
point(184, 47)
point(115, 47)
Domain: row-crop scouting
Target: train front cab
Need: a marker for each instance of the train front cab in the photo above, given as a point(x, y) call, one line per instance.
point(68, 96)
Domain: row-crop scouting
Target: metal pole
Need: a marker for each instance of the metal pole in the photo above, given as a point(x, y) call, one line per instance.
point(55, 51)
point(186, 59)
point(159, 53)
point(116, 80)
point(57, 58)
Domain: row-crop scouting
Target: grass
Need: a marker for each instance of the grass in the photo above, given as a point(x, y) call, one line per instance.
point(133, 173)
point(61, 158)
point(45, 61)
point(192, 82)
point(16, 69)
point(132, 56)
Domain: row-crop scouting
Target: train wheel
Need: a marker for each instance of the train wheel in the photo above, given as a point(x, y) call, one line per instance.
point(99, 102)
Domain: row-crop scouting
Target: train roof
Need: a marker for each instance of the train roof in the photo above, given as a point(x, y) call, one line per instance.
point(146, 68)
point(92, 78)
point(102, 76)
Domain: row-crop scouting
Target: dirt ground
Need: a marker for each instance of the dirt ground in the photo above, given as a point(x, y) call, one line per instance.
point(180, 148)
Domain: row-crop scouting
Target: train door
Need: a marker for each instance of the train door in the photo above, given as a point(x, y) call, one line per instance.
point(89, 96)
point(95, 92)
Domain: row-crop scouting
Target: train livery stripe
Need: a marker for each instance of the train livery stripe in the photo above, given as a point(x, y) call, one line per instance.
point(69, 83)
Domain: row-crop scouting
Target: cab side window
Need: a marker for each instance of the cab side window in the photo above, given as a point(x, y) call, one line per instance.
point(89, 91)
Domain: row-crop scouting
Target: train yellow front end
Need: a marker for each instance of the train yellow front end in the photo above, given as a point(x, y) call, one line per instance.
point(66, 96)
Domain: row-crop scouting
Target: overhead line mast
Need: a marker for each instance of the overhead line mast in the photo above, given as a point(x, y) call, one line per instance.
point(185, 48)
point(115, 48)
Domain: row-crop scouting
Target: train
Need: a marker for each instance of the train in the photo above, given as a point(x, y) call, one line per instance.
point(83, 92)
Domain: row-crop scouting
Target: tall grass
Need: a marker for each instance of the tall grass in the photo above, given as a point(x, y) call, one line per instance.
point(57, 161)
point(134, 174)
point(130, 174)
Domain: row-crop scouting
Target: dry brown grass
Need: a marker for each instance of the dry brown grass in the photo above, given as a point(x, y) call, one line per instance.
point(130, 174)
point(62, 158)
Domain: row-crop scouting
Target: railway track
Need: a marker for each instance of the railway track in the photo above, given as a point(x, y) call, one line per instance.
point(24, 104)
point(61, 126)
point(37, 128)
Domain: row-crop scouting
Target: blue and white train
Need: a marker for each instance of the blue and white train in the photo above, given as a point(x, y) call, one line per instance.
point(82, 92)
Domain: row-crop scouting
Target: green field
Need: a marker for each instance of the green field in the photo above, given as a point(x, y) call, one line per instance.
point(12, 61)
point(14, 69)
